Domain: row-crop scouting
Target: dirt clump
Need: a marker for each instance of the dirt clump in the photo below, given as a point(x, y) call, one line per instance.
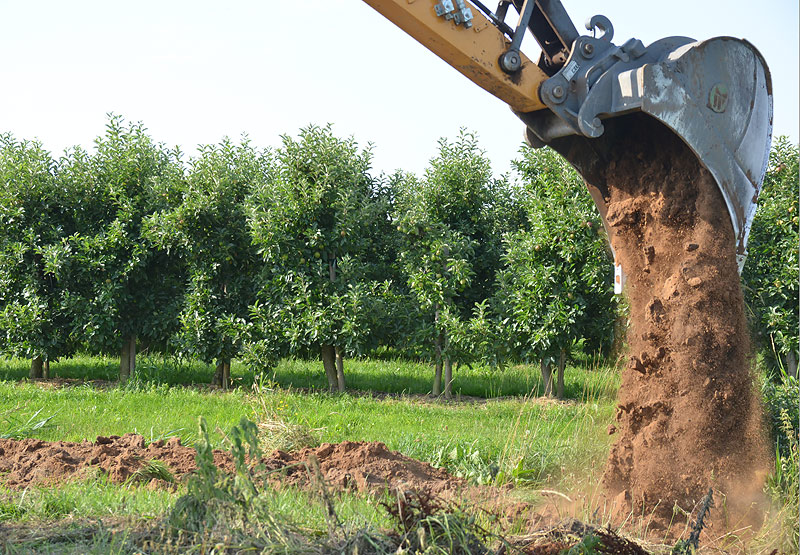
point(688, 416)
point(367, 467)
point(35, 462)
point(359, 466)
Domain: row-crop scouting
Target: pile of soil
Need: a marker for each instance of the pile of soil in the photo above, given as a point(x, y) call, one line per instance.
point(359, 466)
point(29, 462)
point(689, 416)
point(365, 467)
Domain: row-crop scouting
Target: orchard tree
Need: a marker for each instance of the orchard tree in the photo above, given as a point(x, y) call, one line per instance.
point(556, 288)
point(208, 232)
point(459, 192)
point(319, 224)
point(770, 276)
point(452, 222)
point(122, 289)
point(35, 218)
point(436, 262)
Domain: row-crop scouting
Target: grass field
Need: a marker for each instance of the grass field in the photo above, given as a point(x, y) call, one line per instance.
point(470, 437)
point(496, 431)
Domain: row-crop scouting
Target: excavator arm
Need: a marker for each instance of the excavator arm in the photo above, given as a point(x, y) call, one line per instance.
point(474, 53)
point(716, 95)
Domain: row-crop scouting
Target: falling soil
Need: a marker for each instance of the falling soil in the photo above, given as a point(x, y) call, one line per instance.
point(689, 417)
point(358, 466)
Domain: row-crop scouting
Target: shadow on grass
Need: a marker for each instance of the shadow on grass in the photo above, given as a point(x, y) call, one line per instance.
point(149, 370)
point(382, 376)
point(415, 378)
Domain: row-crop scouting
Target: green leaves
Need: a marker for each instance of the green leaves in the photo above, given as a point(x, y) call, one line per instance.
point(240, 252)
point(555, 289)
point(320, 224)
point(206, 229)
point(770, 277)
point(34, 220)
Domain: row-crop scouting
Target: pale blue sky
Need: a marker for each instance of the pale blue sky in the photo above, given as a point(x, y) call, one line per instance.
point(194, 71)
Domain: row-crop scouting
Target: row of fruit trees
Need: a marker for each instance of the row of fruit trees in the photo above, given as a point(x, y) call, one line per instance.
point(301, 251)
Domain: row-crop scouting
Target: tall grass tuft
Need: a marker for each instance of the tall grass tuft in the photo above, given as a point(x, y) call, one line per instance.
point(783, 486)
point(14, 428)
point(276, 430)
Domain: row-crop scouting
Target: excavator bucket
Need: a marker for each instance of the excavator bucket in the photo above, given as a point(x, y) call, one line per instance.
point(716, 95)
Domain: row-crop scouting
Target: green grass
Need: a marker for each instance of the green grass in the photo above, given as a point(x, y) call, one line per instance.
point(541, 440)
point(95, 516)
point(85, 412)
point(149, 369)
point(473, 439)
point(387, 375)
point(403, 376)
point(509, 437)
point(91, 498)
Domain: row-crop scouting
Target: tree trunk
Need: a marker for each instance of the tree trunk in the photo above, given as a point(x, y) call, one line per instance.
point(127, 359)
point(36, 368)
point(226, 374)
point(132, 351)
point(46, 369)
point(562, 363)
point(448, 378)
point(437, 358)
point(217, 379)
point(547, 378)
point(328, 355)
point(437, 377)
point(790, 363)
point(340, 369)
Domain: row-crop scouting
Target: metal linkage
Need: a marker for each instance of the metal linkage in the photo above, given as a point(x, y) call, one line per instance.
point(510, 60)
point(548, 22)
point(572, 93)
point(497, 18)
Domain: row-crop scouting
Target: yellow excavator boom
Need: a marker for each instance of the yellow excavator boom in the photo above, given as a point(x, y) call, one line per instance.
point(473, 51)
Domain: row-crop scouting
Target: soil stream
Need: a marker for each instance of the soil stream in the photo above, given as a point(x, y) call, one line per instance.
point(689, 417)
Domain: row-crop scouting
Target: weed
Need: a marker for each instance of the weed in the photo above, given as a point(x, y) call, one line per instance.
point(276, 432)
point(783, 486)
point(16, 429)
point(590, 544)
point(11, 510)
point(229, 508)
point(152, 470)
point(465, 461)
point(424, 526)
point(782, 400)
point(56, 504)
point(691, 544)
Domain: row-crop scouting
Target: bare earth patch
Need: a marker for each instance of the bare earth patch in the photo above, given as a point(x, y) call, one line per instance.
point(358, 466)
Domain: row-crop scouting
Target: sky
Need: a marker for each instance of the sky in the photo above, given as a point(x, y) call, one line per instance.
point(195, 71)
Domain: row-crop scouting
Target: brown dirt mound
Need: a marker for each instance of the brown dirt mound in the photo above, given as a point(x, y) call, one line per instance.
point(688, 414)
point(35, 462)
point(367, 468)
point(359, 466)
